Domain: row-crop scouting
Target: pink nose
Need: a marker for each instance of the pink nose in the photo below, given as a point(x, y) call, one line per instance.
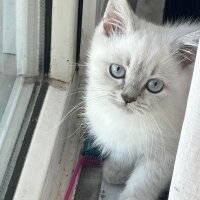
point(128, 99)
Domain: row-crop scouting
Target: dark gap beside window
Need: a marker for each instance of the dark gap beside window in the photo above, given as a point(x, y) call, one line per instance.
point(181, 9)
point(47, 44)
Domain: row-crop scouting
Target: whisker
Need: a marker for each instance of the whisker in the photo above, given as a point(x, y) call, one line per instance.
point(74, 133)
point(161, 136)
point(75, 109)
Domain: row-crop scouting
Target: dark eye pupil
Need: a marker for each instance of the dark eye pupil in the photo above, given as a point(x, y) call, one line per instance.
point(117, 71)
point(155, 85)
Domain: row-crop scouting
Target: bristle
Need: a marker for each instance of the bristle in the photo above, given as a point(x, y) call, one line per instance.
point(91, 162)
point(91, 157)
point(90, 150)
point(83, 161)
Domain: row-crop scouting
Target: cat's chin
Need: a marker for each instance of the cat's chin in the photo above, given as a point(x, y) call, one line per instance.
point(127, 109)
point(124, 107)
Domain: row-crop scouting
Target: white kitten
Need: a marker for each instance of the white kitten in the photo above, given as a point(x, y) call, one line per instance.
point(137, 86)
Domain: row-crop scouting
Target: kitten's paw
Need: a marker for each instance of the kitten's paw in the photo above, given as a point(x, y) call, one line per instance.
point(114, 174)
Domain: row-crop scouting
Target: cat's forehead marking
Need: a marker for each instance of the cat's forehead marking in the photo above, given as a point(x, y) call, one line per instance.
point(138, 68)
point(135, 77)
point(128, 62)
point(155, 69)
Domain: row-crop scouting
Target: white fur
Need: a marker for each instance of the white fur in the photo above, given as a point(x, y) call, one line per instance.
point(146, 138)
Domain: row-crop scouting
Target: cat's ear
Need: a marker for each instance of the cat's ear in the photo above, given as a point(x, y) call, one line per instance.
point(186, 48)
point(118, 17)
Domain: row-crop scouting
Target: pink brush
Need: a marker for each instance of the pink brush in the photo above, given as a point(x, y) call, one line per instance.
point(83, 161)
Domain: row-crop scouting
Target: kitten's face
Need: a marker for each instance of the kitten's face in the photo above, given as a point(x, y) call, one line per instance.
point(134, 70)
point(133, 64)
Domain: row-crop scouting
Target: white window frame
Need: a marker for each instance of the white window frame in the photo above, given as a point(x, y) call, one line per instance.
point(11, 122)
point(186, 176)
point(28, 37)
point(63, 43)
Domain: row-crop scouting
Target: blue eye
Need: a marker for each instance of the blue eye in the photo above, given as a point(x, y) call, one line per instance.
point(117, 71)
point(155, 85)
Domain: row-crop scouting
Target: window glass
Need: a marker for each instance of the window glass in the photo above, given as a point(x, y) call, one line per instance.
point(22, 30)
point(7, 51)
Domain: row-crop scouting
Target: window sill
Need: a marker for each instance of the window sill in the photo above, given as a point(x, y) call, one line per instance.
point(53, 151)
point(12, 120)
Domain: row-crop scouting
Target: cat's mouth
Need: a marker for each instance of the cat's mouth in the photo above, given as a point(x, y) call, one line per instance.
point(124, 106)
point(128, 107)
